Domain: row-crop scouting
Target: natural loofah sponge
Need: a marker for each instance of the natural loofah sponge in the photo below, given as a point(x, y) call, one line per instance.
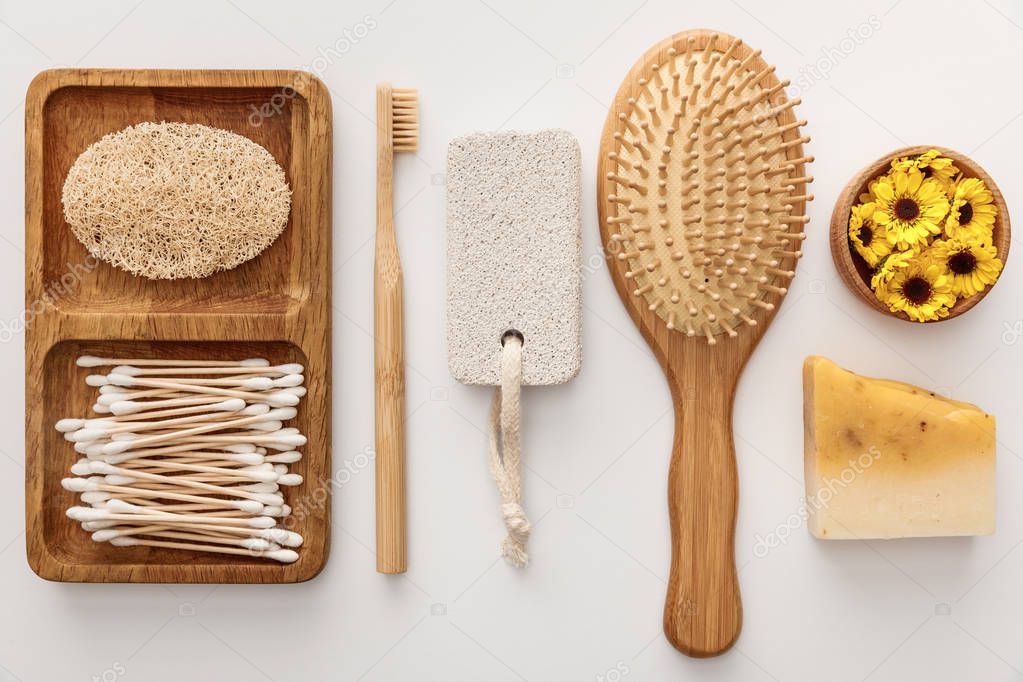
point(175, 200)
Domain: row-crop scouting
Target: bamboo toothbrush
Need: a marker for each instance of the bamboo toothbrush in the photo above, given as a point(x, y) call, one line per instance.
point(703, 191)
point(397, 131)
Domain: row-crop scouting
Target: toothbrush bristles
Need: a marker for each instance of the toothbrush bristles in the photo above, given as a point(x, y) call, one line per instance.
point(405, 119)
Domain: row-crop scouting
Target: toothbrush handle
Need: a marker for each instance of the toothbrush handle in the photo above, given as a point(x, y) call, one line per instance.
point(390, 419)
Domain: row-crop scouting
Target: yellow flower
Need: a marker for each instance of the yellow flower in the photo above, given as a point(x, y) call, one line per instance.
point(910, 206)
point(919, 290)
point(869, 196)
point(869, 240)
point(933, 165)
point(970, 267)
point(973, 211)
point(887, 268)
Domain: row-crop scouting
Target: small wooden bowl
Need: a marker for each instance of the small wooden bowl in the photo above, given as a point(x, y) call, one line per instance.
point(854, 270)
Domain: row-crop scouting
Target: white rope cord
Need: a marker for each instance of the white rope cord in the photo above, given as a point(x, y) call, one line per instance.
point(506, 452)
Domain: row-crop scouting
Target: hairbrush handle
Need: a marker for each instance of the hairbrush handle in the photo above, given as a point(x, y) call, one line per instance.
point(703, 610)
point(389, 359)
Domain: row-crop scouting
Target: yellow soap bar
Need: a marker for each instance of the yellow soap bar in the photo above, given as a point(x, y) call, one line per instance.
point(884, 459)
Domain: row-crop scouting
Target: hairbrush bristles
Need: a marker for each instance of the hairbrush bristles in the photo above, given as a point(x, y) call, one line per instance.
point(405, 119)
point(706, 187)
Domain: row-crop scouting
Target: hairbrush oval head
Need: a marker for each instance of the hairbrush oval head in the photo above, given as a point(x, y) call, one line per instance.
point(702, 192)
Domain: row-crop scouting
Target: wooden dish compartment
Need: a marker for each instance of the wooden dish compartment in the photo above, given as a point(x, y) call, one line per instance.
point(74, 117)
point(275, 306)
point(65, 394)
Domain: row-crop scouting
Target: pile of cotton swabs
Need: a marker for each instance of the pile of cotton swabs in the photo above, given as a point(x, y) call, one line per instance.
point(189, 454)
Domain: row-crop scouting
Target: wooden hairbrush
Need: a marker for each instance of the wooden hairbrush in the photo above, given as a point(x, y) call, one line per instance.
point(702, 193)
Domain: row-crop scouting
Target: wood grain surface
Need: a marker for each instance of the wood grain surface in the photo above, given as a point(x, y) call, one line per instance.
point(276, 306)
point(855, 272)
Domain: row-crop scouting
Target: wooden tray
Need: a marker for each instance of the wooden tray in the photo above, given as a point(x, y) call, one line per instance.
point(276, 306)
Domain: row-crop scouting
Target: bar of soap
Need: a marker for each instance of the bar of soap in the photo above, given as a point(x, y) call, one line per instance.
point(884, 459)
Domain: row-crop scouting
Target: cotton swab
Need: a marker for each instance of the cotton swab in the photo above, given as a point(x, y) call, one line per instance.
point(99, 429)
point(278, 440)
point(86, 485)
point(90, 514)
point(147, 505)
point(278, 536)
point(286, 556)
point(260, 475)
point(289, 457)
point(109, 470)
point(252, 543)
point(231, 448)
point(247, 480)
point(291, 368)
point(164, 398)
point(115, 508)
point(256, 468)
point(197, 451)
point(124, 380)
point(124, 408)
point(95, 429)
point(93, 361)
point(201, 489)
point(147, 489)
point(118, 447)
point(283, 397)
point(136, 410)
point(141, 410)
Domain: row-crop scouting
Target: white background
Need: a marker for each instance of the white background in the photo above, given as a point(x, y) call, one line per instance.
point(941, 609)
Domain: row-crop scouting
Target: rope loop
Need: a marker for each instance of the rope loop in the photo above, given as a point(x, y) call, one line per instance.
point(506, 451)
